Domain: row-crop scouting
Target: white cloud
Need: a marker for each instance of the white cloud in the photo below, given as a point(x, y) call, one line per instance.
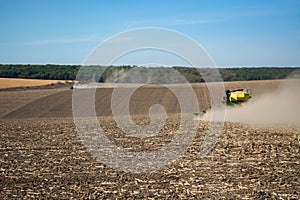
point(173, 22)
point(120, 39)
point(191, 22)
point(60, 41)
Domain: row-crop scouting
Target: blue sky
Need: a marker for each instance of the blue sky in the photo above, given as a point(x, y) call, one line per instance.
point(234, 32)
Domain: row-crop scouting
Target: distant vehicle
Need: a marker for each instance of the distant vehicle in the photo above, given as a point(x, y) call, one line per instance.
point(237, 97)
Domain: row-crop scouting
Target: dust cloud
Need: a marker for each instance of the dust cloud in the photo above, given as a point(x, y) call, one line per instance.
point(278, 107)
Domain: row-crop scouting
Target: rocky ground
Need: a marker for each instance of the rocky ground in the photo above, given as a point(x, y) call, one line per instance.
point(45, 158)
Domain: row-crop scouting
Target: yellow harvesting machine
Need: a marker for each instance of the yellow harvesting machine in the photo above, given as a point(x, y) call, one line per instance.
point(237, 97)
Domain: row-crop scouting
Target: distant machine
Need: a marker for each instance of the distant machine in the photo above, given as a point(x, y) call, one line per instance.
point(231, 98)
point(237, 97)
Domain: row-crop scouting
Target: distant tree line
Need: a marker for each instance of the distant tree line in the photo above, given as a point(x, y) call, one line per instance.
point(142, 74)
point(51, 72)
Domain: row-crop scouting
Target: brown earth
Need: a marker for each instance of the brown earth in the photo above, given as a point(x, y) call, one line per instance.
point(42, 155)
point(59, 103)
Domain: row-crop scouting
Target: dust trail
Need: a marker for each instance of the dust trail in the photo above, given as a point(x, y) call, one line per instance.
point(280, 106)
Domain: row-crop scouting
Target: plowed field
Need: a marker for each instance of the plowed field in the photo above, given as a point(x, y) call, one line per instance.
point(42, 156)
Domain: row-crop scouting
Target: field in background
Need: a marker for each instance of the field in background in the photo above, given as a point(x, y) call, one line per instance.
point(59, 104)
point(18, 82)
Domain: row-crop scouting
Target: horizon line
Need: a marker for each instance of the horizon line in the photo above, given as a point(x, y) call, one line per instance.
point(135, 65)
